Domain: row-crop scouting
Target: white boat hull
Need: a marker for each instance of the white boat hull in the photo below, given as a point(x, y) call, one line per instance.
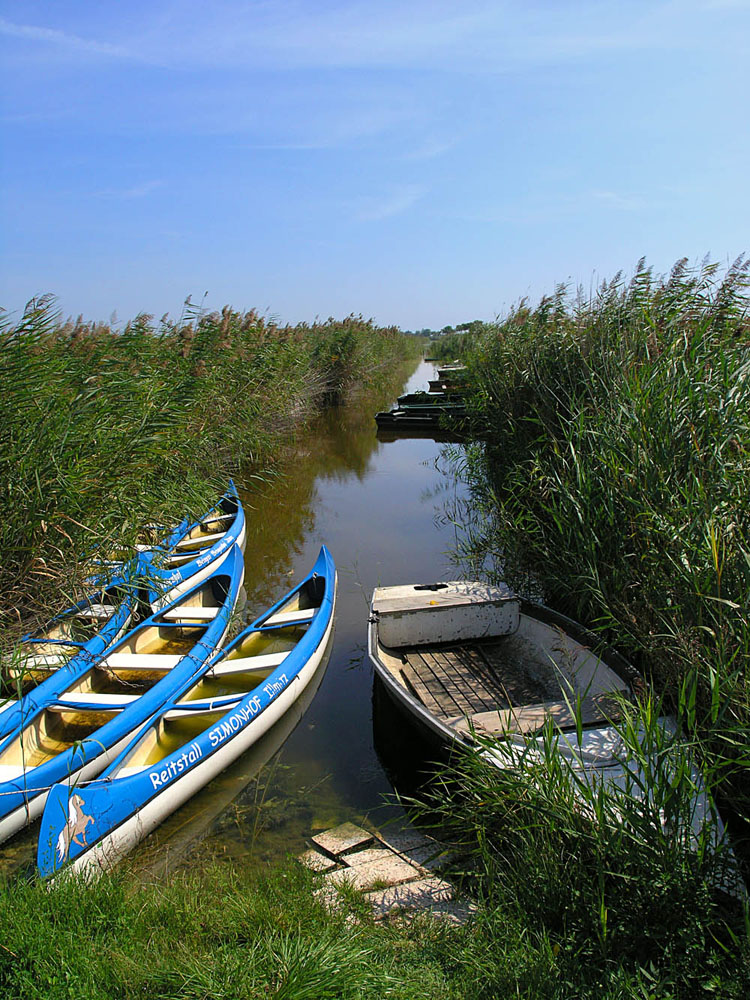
point(34, 807)
point(197, 578)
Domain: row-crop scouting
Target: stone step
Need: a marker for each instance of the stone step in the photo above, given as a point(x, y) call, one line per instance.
point(394, 873)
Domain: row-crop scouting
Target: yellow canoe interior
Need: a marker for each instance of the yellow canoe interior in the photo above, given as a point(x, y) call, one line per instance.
point(56, 729)
point(50, 733)
point(36, 661)
point(169, 735)
point(174, 731)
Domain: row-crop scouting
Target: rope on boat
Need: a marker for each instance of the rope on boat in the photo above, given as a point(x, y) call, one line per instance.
point(26, 790)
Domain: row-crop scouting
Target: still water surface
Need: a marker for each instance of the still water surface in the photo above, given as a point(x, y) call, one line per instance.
point(382, 508)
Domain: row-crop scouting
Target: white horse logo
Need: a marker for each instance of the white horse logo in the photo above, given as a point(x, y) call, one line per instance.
point(74, 830)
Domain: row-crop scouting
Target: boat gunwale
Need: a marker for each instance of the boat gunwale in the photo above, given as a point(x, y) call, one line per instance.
point(85, 755)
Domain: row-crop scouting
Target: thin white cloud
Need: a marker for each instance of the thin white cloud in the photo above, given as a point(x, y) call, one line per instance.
point(137, 191)
point(480, 36)
point(62, 38)
point(374, 209)
point(485, 36)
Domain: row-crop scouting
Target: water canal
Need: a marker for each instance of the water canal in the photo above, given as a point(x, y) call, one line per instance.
point(383, 510)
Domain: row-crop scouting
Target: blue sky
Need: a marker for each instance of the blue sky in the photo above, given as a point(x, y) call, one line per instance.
point(423, 163)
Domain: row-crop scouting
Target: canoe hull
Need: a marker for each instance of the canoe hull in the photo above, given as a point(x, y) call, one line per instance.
point(33, 808)
point(22, 796)
point(205, 567)
point(168, 584)
point(112, 848)
point(139, 790)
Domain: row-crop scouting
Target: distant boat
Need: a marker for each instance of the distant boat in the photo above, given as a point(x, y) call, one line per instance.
point(204, 727)
point(410, 419)
point(455, 371)
point(73, 724)
point(430, 402)
point(446, 386)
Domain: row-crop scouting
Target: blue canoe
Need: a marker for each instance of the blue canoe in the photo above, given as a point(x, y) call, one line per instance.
point(90, 719)
point(194, 551)
point(204, 727)
point(195, 547)
point(186, 553)
point(61, 651)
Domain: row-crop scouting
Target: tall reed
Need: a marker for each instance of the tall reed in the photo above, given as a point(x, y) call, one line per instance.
point(105, 428)
point(615, 479)
point(630, 900)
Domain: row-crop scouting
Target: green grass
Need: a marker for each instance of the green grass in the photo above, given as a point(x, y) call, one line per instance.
point(211, 934)
point(627, 901)
point(575, 928)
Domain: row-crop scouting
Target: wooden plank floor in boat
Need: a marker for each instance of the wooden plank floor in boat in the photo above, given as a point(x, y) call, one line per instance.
point(465, 679)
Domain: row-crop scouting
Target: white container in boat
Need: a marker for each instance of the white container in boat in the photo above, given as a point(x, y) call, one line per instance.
point(416, 615)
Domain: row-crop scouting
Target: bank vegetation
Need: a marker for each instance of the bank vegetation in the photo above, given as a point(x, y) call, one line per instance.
point(106, 428)
point(612, 481)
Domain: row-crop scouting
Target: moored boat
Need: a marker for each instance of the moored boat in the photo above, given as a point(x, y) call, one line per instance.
point(174, 561)
point(475, 666)
point(73, 724)
point(190, 823)
point(206, 725)
point(405, 421)
point(446, 387)
point(454, 371)
point(193, 550)
point(463, 654)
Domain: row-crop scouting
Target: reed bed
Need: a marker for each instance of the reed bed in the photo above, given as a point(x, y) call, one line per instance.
point(106, 429)
point(615, 478)
point(606, 888)
point(613, 482)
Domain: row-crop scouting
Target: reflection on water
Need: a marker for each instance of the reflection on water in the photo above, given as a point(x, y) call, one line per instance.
point(380, 507)
point(404, 750)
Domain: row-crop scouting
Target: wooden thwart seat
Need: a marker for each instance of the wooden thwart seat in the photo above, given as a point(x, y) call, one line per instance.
point(192, 612)
point(142, 661)
point(200, 540)
point(95, 611)
point(180, 557)
point(596, 711)
point(286, 617)
point(248, 664)
point(40, 661)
